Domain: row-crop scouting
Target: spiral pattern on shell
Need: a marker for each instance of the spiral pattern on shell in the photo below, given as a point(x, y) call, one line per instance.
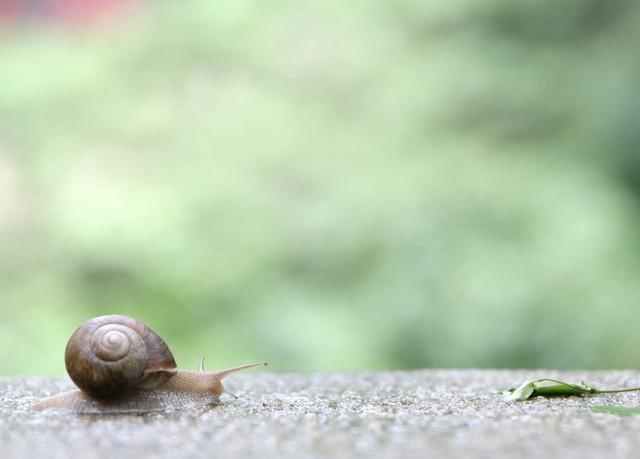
point(110, 355)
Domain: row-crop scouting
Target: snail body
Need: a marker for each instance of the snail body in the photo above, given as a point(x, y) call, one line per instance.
point(120, 365)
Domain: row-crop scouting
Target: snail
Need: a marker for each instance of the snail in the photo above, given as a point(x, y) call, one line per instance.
point(122, 366)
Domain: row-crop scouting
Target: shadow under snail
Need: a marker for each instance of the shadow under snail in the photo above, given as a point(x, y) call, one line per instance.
point(122, 366)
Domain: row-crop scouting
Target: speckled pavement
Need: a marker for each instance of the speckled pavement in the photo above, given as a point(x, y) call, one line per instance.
point(418, 414)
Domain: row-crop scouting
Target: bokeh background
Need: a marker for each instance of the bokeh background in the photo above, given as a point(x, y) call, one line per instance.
point(326, 185)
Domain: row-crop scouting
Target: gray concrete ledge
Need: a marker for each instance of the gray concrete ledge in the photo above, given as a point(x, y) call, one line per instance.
point(417, 414)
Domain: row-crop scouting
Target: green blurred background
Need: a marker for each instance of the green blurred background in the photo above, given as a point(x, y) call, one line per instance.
point(329, 185)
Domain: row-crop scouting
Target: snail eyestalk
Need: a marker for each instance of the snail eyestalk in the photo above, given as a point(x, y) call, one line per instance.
point(221, 374)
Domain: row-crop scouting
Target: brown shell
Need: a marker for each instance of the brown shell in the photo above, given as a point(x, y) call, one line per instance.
point(110, 355)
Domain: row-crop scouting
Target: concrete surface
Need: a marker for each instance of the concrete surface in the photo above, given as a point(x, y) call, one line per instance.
point(420, 414)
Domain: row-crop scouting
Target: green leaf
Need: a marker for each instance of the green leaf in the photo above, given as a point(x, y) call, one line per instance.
point(619, 410)
point(520, 393)
point(560, 390)
point(547, 387)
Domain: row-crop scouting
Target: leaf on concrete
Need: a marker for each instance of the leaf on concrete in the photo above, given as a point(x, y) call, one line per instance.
point(547, 387)
point(619, 410)
point(522, 392)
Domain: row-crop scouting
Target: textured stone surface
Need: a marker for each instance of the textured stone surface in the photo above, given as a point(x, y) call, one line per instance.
point(416, 414)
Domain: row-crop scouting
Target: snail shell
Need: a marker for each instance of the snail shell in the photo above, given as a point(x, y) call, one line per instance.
point(110, 355)
point(120, 366)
